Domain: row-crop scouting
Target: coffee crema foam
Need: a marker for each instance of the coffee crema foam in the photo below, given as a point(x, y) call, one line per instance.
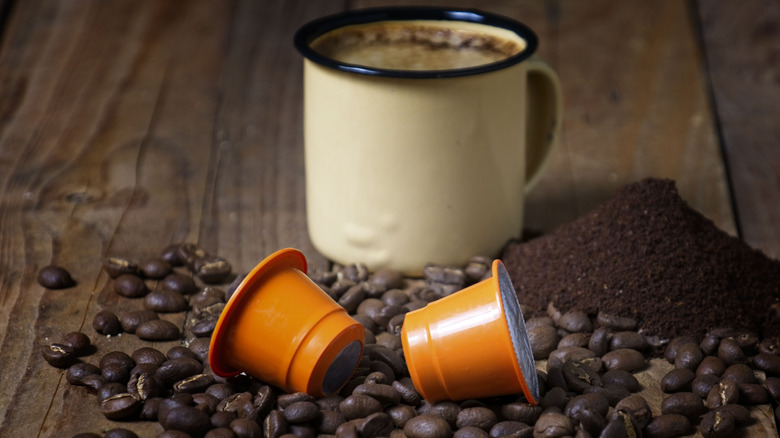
point(411, 45)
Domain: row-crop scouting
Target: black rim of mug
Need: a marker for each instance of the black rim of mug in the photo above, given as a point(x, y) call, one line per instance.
point(316, 28)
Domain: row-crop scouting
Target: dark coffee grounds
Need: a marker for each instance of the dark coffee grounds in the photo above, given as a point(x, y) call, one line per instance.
point(646, 253)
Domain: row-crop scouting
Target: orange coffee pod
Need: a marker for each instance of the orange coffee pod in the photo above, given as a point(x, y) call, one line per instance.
point(281, 328)
point(471, 344)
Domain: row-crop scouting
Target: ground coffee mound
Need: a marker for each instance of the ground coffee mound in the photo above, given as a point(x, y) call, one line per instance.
point(646, 253)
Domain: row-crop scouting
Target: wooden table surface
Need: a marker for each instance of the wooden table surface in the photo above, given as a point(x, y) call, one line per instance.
point(127, 125)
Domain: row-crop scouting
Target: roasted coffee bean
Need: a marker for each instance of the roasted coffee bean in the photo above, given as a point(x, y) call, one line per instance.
point(155, 267)
point(773, 386)
point(239, 403)
point(478, 268)
point(595, 401)
point(78, 371)
point(767, 362)
point(93, 382)
point(552, 424)
point(555, 397)
point(144, 386)
point(724, 393)
point(624, 359)
point(711, 365)
point(207, 296)
point(613, 392)
point(574, 340)
point(244, 428)
point(670, 352)
point(150, 409)
point(394, 297)
point(110, 389)
point(741, 414)
point(521, 411)
point(730, 351)
point(119, 357)
point(189, 253)
point(120, 406)
point(301, 412)
point(511, 429)
point(119, 432)
point(386, 313)
point(480, 417)
point(302, 430)
point(559, 355)
point(180, 351)
point(213, 270)
point(115, 266)
point(689, 355)
point(165, 301)
point(444, 274)
point(131, 320)
point(226, 432)
point(387, 278)
point(747, 340)
point(359, 406)
point(231, 289)
point(544, 340)
point(106, 322)
point(447, 410)
point(400, 414)
point(158, 330)
point(177, 369)
point(274, 425)
point(115, 372)
point(396, 323)
point(385, 394)
point(130, 286)
point(753, 394)
point(578, 376)
point(575, 321)
point(222, 419)
point(740, 373)
point(173, 434)
point(180, 283)
point(193, 384)
point(677, 380)
point(667, 426)
point(59, 355)
point(286, 400)
point(406, 390)
point(328, 421)
point(709, 345)
point(382, 367)
point(55, 277)
point(470, 432)
point(352, 298)
point(186, 419)
point(623, 378)
point(222, 390)
point(628, 339)
point(391, 358)
point(376, 424)
point(684, 403)
point(555, 379)
point(703, 384)
point(638, 407)
point(148, 355)
point(78, 341)
point(427, 426)
point(769, 345)
point(717, 424)
point(171, 254)
point(599, 341)
point(616, 322)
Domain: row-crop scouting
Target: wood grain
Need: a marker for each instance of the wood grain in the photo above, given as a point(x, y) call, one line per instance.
point(128, 125)
point(742, 43)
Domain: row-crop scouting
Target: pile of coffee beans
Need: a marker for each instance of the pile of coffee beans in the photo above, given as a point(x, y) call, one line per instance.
point(586, 366)
point(647, 254)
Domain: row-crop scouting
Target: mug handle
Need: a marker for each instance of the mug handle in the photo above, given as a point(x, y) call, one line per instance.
point(545, 114)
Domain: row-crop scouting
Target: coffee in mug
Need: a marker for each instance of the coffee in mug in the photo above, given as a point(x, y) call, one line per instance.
point(423, 130)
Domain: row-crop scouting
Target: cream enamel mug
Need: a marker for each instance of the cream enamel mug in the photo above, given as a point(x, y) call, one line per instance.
point(423, 130)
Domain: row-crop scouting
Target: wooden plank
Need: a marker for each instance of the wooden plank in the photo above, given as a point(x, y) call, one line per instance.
point(125, 126)
point(635, 104)
point(741, 46)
